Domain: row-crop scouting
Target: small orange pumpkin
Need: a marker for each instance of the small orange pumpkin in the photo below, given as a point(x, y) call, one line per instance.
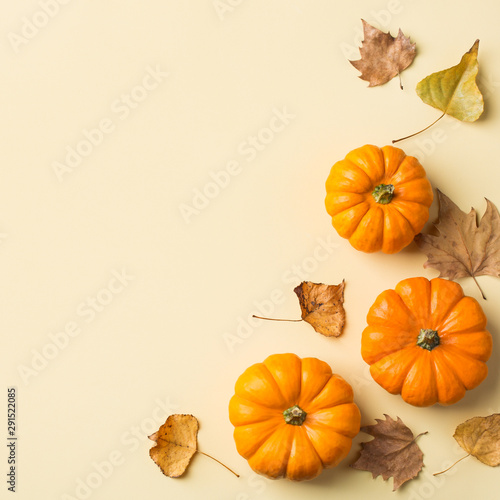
point(293, 417)
point(378, 198)
point(426, 341)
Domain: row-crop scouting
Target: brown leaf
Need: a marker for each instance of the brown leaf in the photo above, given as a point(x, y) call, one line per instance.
point(383, 56)
point(480, 437)
point(321, 306)
point(393, 452)
point(176, 444)
point(463, 248)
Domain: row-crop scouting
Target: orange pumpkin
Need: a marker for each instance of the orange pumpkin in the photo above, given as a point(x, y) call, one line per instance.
point(426, 341)
point(293, 417)
point(378, 198)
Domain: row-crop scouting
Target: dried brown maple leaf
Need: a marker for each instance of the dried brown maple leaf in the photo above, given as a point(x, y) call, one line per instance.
point(321, 306)
point(480, 437)
point(176, 443)
point(383, 56)
point(463, 248)
point(393, 453)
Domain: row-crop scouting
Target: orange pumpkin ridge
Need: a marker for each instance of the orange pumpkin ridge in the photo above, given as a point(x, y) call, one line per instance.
point(426, 341)
point(378, 198)
point(306, 427)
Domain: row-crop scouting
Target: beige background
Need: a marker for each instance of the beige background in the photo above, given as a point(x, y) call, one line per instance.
point(178, 89)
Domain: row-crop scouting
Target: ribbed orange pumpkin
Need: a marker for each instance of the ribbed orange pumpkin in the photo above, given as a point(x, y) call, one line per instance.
point(426, 341)
point(293, 417)
point(378, 198)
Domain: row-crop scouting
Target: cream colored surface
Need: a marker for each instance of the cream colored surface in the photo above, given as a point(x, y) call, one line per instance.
point(148, 299)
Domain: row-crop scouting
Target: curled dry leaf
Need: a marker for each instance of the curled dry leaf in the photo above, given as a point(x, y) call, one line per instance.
point(463, 247)
point(322, 307)
point(176, 443)
point(480, 437)
point(393, 453)
point(383, 56)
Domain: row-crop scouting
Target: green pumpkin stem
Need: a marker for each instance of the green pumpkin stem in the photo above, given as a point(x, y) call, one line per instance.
point(383, 193)
point(294, 415)
point(428, 339)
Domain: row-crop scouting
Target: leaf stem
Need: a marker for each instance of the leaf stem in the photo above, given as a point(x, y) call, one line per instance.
point(274, 319)
point(480, 289)
point(218, 461)
point(423, 130)
point(421, 434)
point(452, 465)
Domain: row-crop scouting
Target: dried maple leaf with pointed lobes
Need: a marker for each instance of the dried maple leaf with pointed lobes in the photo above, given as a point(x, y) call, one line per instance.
point(176, 443)
point(479, 437)
point(383, 56)
point(322, 306)
point(463, 248)
point(393, 453)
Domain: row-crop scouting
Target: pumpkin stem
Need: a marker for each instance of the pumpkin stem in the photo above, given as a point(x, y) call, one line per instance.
point(295, 415)
point(383, 193)
point(428, 339)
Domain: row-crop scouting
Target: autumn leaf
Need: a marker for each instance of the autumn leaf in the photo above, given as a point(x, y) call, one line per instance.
point(176, 443)
point(479, 437)
point(321, 306)
point(454, 90)
point(393, 453)
point(383, 56)
point(463, 248)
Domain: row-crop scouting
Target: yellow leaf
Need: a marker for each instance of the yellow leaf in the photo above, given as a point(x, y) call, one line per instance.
point(454, 90)
point(480, 437)
point(175, 444)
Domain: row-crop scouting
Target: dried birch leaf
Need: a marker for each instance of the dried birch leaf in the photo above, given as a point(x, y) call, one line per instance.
point(393, 453)
point(454, 90)
point(479, 437)
point(322, 306)
point(176, 443)
point(383, 56)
